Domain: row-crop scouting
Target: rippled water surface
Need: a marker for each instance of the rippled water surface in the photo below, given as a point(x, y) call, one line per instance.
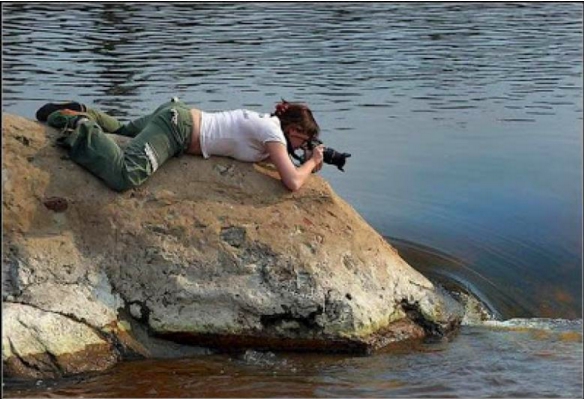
point(465, 125)
point(516, 358)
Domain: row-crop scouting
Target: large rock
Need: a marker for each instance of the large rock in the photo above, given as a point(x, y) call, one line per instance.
point(208, 252)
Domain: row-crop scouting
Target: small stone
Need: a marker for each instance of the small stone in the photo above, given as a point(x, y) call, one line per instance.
point(221, 169)
point(136, 311)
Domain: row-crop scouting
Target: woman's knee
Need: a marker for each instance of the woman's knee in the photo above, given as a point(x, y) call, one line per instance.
point(119, 185)
point(120, 188)
point(132, 177)
point(124, 179)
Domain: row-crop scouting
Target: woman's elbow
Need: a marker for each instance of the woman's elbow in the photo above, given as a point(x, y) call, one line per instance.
point(292, 184)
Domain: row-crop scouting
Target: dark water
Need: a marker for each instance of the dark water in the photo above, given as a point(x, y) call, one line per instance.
point(465, 125)
point(517, 358)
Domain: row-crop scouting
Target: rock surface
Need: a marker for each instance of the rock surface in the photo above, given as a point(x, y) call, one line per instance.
point(208, 252)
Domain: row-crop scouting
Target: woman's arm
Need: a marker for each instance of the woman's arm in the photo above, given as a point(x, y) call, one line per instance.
point(292, 176)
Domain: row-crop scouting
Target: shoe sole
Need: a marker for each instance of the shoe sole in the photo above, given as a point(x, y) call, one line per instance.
point(43, 113)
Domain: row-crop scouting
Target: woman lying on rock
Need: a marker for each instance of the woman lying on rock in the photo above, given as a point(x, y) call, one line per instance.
point(173, 129)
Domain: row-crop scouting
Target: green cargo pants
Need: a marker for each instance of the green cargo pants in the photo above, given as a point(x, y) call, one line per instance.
point(155, 138)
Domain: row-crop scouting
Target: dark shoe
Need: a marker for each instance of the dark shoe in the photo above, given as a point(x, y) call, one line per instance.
point(65, 119)
point(43, 112)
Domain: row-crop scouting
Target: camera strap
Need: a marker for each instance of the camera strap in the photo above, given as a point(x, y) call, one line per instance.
point(291, 151)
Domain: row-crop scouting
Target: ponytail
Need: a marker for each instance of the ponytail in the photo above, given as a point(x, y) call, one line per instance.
point(296, 115)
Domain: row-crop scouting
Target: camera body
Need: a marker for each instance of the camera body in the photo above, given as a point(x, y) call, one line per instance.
point(330, 155)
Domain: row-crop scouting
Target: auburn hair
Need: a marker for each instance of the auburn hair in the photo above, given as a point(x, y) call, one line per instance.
point(296, 115)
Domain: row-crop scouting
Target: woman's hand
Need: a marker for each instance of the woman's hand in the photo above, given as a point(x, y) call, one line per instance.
point(293, 177)
point(317, 155)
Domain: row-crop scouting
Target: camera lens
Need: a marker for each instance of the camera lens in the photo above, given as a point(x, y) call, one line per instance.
point(333, 157)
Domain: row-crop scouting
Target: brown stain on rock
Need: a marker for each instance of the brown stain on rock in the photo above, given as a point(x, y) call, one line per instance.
point(96, 357)
point(56, 204)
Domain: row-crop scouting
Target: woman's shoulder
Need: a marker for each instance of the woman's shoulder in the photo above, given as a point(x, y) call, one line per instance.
point(255, 114)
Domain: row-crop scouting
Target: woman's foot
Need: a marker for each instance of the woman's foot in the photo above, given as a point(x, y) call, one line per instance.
point(43, 112)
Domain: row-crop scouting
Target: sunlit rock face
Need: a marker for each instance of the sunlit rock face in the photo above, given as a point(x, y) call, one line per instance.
point(212, 253)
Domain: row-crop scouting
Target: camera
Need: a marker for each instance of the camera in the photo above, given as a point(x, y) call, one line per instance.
point(330, 155)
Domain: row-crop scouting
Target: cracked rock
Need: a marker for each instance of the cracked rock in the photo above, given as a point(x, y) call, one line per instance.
point(40, 344)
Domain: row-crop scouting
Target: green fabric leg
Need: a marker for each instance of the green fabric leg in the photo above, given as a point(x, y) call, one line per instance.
point(109, 124)
point(121, 169)
point(135, 127)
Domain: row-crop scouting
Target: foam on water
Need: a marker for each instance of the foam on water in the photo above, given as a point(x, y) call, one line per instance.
point(555, 325)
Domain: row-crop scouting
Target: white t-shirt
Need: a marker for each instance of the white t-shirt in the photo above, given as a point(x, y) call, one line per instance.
point(239, 134)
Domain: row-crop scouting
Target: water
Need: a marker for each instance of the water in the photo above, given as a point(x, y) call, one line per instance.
point(516, 358)
point(465, 125)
